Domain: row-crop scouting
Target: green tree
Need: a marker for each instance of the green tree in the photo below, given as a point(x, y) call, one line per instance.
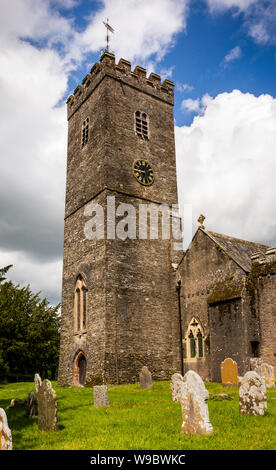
point(29, 333)
point(4, 271)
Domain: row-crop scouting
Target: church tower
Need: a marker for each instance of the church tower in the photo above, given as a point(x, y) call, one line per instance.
point(119, 300)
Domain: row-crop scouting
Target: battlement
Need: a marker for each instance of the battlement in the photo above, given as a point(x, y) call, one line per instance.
point(262, 258)
point(121, 72)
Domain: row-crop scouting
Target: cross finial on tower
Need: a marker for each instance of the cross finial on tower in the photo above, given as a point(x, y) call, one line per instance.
point(108, 28)
point(201, 220)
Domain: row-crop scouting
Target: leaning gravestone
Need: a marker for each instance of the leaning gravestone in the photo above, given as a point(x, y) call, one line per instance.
point(37, 381)
point(252, 394)
point(5, 432)
point(145, 378)
point(190, 391)
point(32, 405)
point(229, 372)
point(100, 396)
point(266, 371)
point(47, 407)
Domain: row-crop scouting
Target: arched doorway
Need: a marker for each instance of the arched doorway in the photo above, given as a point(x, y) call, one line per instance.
point(80, 364)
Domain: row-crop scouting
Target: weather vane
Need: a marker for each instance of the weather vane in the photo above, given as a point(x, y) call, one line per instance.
point(108, 28)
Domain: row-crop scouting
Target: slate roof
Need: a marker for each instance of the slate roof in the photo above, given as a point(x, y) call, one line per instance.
point(239, 250)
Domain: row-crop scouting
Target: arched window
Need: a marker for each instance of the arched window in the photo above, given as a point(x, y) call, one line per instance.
point(141, 125)
point(194, 340)
point(192, 345)
point(80, 305)
point(78, 309)
point(199, 344)
point(84, 304)
point(84, 132)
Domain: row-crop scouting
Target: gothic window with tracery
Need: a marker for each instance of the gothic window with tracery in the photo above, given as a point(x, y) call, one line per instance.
point(194, 340)
point(80, 305)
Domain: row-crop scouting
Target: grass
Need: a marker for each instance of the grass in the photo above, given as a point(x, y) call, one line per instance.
point(137, 419)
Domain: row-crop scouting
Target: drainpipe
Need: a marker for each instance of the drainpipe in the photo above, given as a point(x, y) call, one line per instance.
point(178, 289)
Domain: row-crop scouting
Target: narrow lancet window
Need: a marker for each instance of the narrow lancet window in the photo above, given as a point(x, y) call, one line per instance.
point(192, 345)
point(84, 292)
point(78, 309)
point(85, 132)
point(80, 305)
point(199, 344)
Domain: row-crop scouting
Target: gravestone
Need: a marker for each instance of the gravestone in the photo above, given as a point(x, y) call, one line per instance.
point(5, 432)
point(100, 396)
point(266, 371)
point(190, 391)
point(255, 363)
point(252, 394)
point(145, 378)
point(229, 372)
point(37, 381)
point(47, 407)
point(32, 405)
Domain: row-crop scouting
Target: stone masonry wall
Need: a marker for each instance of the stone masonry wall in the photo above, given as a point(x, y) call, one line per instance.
point(204, 265)
point(263, 281)
point(132, 309)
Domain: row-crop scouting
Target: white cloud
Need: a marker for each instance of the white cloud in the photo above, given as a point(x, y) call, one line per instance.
point(259, 16)
point(226, 165)
point(33, 80)
point(46, 278)
point(219, 5)
point(33, 19)
point(183, 87)
point(142, 28)
point(192, 105)
point(33, 143)
point(232, 55)
point(197, 105)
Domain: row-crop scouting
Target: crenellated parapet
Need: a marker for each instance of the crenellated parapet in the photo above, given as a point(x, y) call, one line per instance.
point(122, 72)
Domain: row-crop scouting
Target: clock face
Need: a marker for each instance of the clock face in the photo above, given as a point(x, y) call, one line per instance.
point(143, 172)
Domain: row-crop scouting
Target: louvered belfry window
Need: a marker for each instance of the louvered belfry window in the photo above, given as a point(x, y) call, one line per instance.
point(141, 125)
point(85, 132)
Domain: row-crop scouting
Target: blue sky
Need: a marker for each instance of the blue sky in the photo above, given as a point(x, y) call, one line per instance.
point(197, 56)
point(221, 55)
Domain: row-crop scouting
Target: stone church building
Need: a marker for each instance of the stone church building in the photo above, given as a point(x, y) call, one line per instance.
point(135, 301)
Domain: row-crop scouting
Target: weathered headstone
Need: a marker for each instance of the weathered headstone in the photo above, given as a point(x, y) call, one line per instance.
point(5, 432)
point(47, 407)
point(229, 372)
point(255, 363)
point(266, 371)
point(100, 396)
point(190, 391)
point(145, 378)
point(37, 381)
point(252, 394)
point(32, 405)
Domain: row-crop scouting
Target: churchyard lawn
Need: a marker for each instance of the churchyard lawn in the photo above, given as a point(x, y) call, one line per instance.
point(144, 419)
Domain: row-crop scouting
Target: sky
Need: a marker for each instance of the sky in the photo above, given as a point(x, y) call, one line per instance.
point(221, 55)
